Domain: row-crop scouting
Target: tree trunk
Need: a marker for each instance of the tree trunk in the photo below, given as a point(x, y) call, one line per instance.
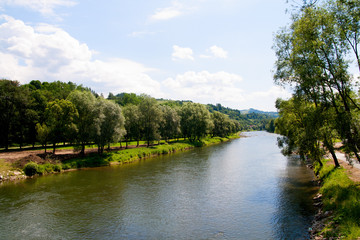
point(330, 147)
point(336, 162)
point(82, 153)
point(54, 146)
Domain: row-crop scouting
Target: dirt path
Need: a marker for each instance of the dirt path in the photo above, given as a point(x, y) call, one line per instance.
point(352, 170)
point(24, 156)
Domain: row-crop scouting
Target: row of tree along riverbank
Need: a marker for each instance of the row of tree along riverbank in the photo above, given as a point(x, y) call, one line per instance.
point(53, 113)
point(50, 164)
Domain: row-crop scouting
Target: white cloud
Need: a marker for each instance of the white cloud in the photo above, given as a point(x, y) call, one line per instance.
point(218, 52)
point(265, 100)
point(205, 87)
point(215, 52)
point(273, 92)
point(45, 7)
point(180, 53)
point(221, 87)
point(49, 53)
point(175, 10)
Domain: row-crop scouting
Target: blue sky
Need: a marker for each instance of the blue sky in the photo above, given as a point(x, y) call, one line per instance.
point(207, 51)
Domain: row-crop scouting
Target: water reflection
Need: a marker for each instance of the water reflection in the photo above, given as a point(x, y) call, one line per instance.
point(294, 203)
point(244, 189)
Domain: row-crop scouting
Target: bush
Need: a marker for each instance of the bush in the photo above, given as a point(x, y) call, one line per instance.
point(31, 169)
point(57, 168)
point(66, 166)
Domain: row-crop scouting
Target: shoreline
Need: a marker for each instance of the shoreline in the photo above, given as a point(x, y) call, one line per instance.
point(336, 202)
point(113, 157)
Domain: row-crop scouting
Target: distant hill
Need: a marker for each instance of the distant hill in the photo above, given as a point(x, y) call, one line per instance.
point(250, 119)
point(251, 110)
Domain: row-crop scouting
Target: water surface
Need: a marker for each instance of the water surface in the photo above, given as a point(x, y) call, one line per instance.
point(243, 189)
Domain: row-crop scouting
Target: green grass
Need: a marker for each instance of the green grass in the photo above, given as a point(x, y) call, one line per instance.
point(342, 196)
point(32, 168)
point(120, 156)
point(5, 167)
point(124, 156)
point(133, 154)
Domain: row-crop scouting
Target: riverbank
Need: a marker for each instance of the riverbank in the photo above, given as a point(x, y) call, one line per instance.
point(338, 202)
point(42, 164)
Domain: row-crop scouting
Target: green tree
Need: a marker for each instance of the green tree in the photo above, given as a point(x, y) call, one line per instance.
point(170, 127)
point(84, 102)
point(150, 118)
point(313, 57)
point(132, 123)
point(222, 125)
point(60, 117)
point(43, 134)
point(306, 128)
point(270, 126)
point(124, 99)
point(109, 123)
point(14, 108)
point(195, 121)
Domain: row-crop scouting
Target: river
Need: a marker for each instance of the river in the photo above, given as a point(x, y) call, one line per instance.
point(242, 189)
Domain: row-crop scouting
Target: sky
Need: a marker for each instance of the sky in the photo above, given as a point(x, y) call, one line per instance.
point(206, 51)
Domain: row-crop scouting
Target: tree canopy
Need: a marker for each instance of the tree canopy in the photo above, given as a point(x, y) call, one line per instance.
point(314, 56)
point(58, 112)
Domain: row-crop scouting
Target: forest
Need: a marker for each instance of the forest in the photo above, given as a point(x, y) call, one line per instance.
point(53, 113)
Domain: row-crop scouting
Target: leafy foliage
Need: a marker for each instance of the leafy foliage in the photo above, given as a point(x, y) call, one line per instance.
point(249, 120)
point(313, 57)
point(57, 112)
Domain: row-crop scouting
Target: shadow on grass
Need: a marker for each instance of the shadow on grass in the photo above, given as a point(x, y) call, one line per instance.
point(91, 160)
point(342, 196)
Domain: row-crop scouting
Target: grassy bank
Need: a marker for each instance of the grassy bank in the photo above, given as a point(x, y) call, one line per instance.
point(341, 197)
point(120, 156)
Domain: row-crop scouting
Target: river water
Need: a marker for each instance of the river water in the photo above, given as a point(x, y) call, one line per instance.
point(243, 189)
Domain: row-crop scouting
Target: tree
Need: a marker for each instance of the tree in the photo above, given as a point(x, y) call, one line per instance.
point(124, 99)
point(150, 118)
point(109, 123)
point(222, 125)
point(60, 117)
point(170, 127)
point(14, 101)
point(85, 102)
point(195, 121)
point(132, 123)
point(312, 55)
point(43, 134)
point(270, 126)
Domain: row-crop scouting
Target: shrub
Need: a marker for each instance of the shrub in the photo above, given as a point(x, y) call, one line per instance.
point(31, 169)
point(41, 169)
point(48, 167)
point(66, 166)
point(57, 168)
